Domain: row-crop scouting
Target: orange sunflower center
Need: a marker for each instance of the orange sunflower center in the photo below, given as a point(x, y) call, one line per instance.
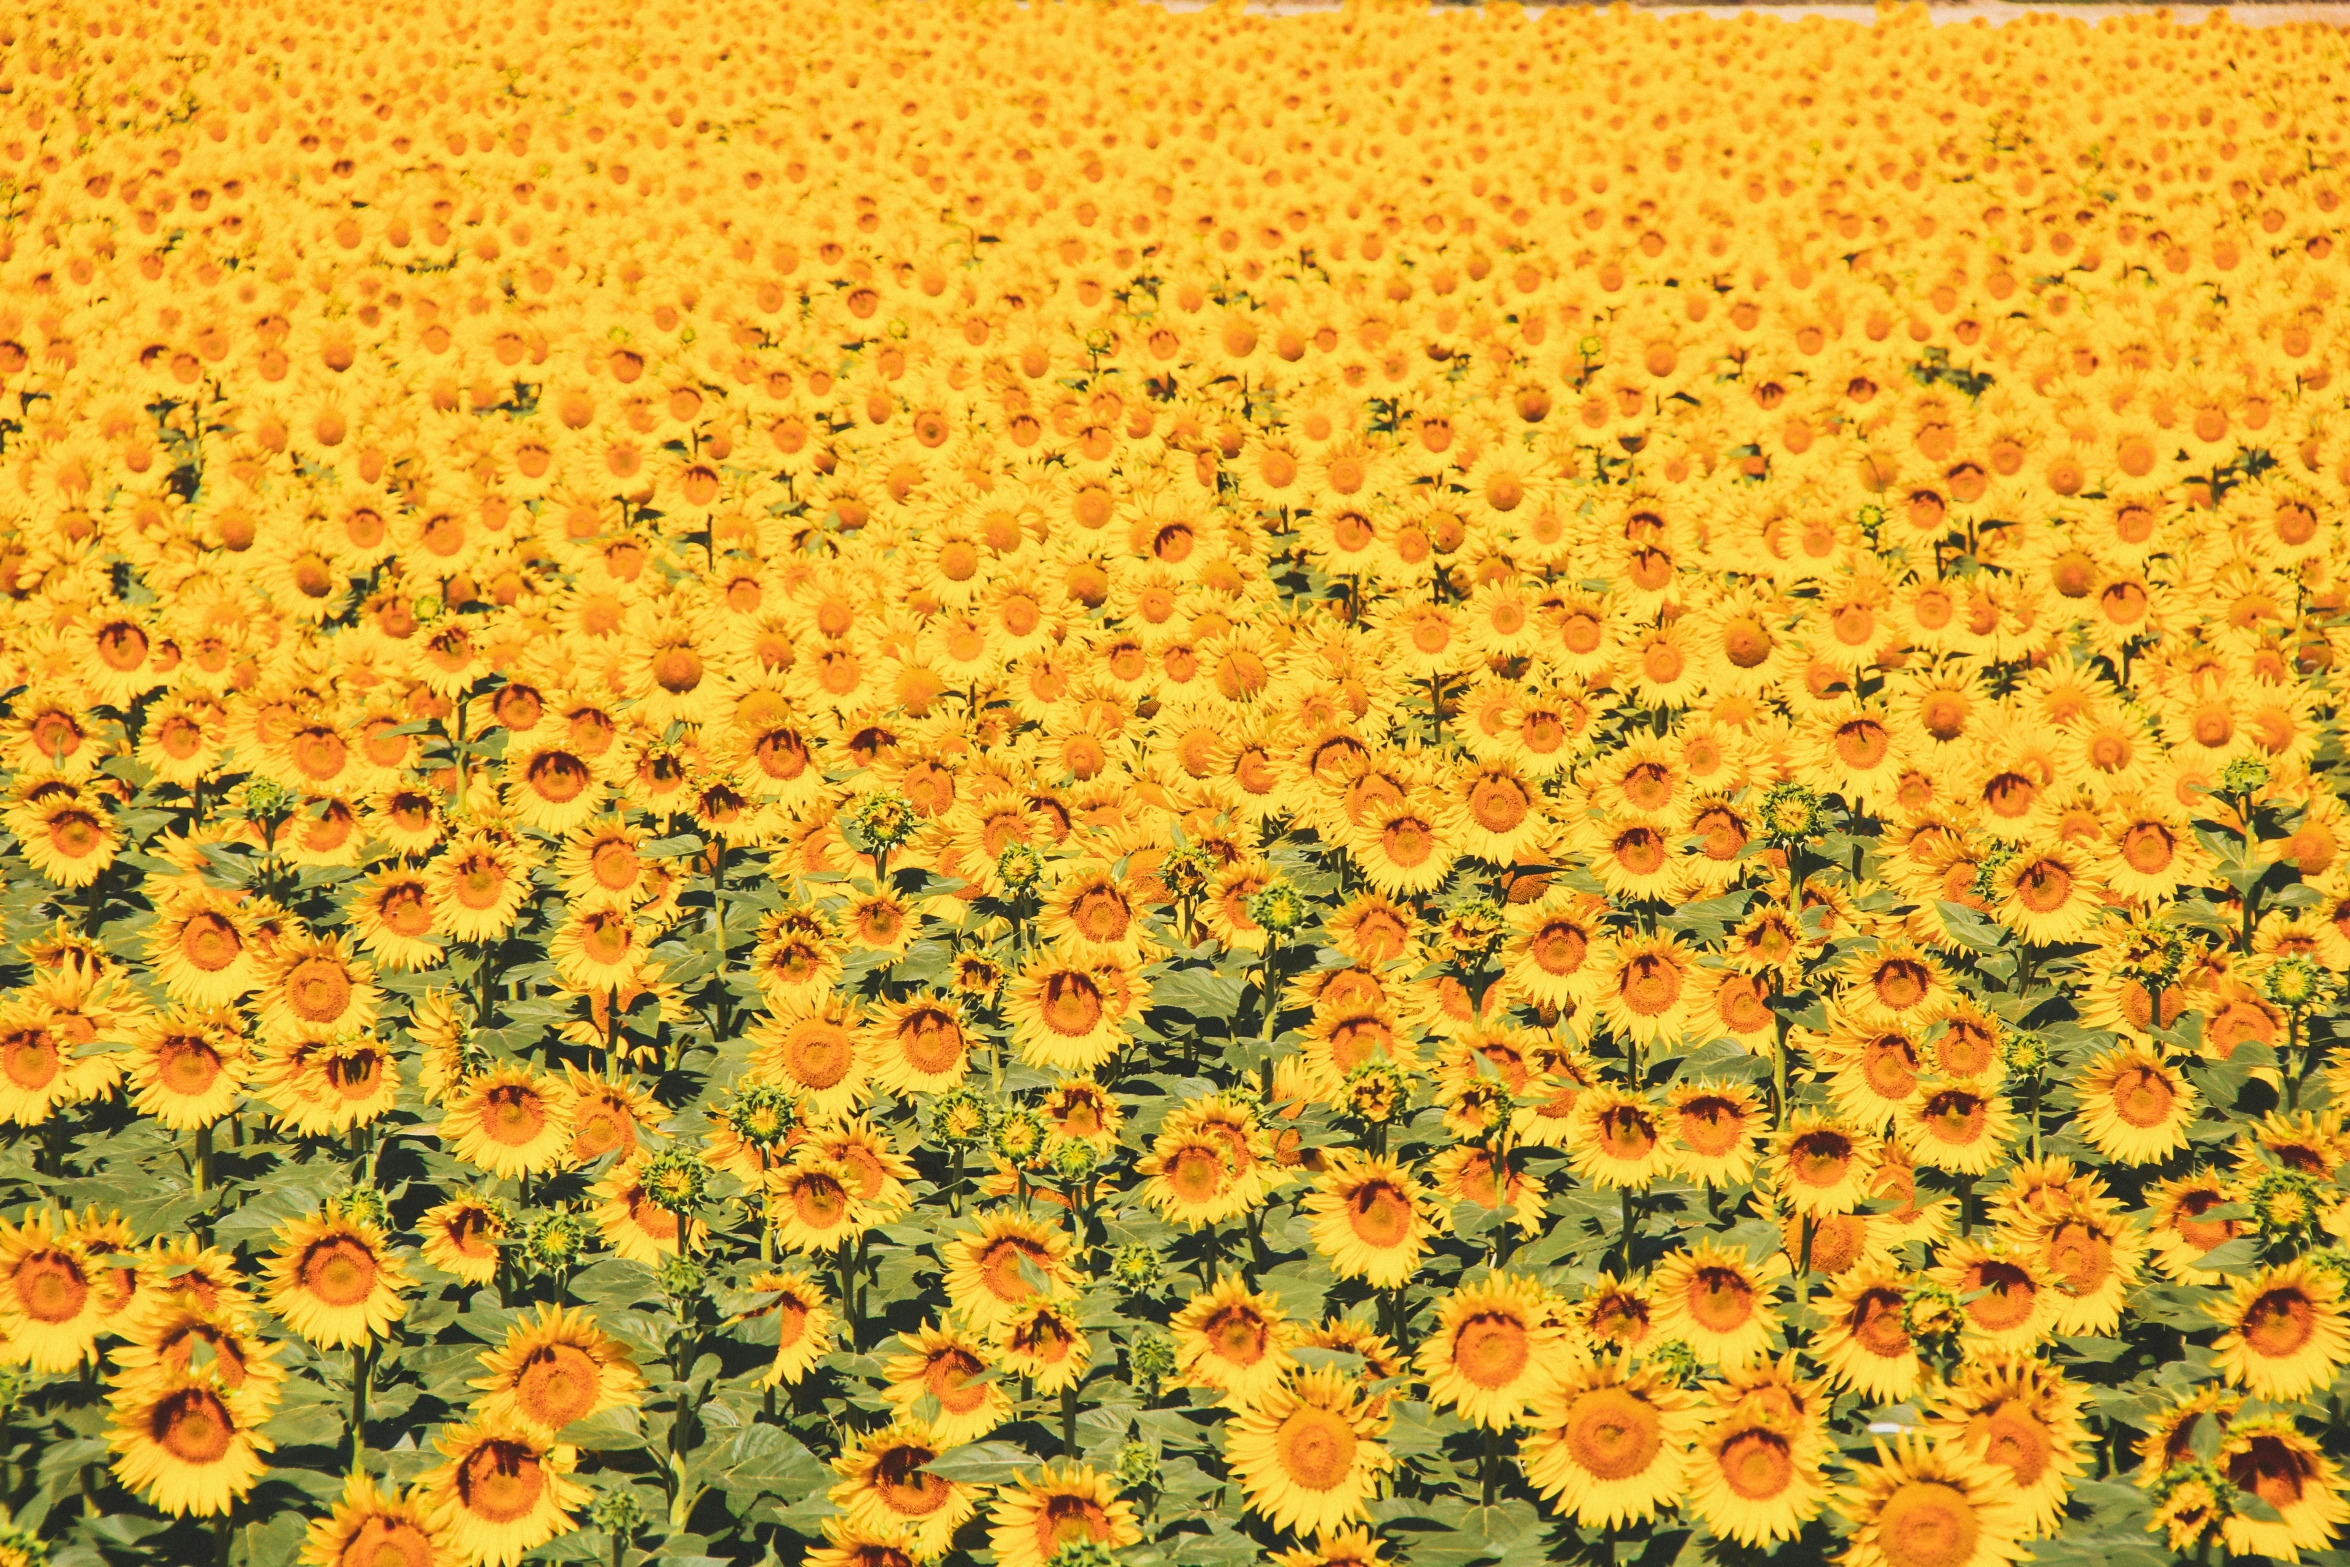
point(1758, 1465)
point(500, 1482)
point(1720, 1299)
point(1316, 1447)
point(192, 1425)
point(339, 1270)
point(514, 1114)
point(904, 1486)
point(2279, 1323)
point(558, 1384)
point(1926, 1523)
point(1070, 1004)
point(1492, 1349)
point(1613, 1434)
point(1380, 1215)
point(318, 989)
point(210, 941)
point(50, 1286)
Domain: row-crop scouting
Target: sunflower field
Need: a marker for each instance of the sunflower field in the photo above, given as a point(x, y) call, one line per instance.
point(968, 785)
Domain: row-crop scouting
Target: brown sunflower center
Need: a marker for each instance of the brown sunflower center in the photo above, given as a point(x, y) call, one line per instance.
point(1720, 1299)
point(51, 1287)
point(2008, 1436)
point(1380, 1215)
point(904, 1486)
point(319, 989)
point(1238, 1334)
point(186, 1066)
point(1070, 1004)
point(2279, 1323)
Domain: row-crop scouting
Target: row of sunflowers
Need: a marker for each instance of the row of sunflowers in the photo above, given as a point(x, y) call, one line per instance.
point(1073, 786)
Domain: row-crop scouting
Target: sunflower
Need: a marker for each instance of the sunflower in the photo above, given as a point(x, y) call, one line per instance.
point(1649, 985)
point(1820, 1167)
point(1923, 1503)
point(1189, 1176)
point(1371, 1217)
point(988, 1267)
point(186, 1273)
point(1495, 1349)
point(2135, 1107)
point(461, 1238)
point(2009, 1303)
point(38, 1068)
point(1554, 955)
point(920, 1045)
point(1306, 1453)
point(1045, 1343)
point(1080, 1110)
point(69, 839)
point(503, 1492)
point(950, 1366)
point(1034, 1518)
point(803, 1323)
point(1234, 1341)
point(2049, 893)
point(2176, 1212)
point(1608, 1446)
point(201, 947)
point(887, 1489)
point(1091, 914)
point(392, 913)
point(2016, 1414)
point(1718, 1303)
point(812, 1203)
point(1712, 1130)
point(1864, 1342)
point(511, 1122)
point(335, 1280)
point(373, 1528)
point(635, 1223)
point(601, 949)
point(1470, 1174)
point(479, 882)
point(1753, 1473)
point(327, 1087)
point(1616, 1140)
point(2270, 1457)
point(52, 1303)
point(1067, 1014)
point(607, 1115)
point(813, 1049)
point(850, 1547)
point(187, 1442)
point(549, 786)
point(188, 1066)
point(313, 988)
point(554, 1369)
point(2284, 1333)
point(1958, 1126)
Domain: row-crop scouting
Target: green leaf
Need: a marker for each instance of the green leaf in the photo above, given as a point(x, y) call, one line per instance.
point(982, 1463)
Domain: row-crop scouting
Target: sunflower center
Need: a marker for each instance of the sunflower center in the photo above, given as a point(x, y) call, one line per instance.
point(1100, 914)
point(2012, 1439)
point(30, 1057)
point(1889, 1062)
point(1956, 1116)
point(1902, 983)
point(1492, 1349)
point(1317, 1447)
point(1625, 1132)
point(1612, 1434)
point(2080, 1257)
point(557, 777)
point(904, 1486)
point(1758, 1465)
point(51, 1287)
point(1821, 1158)
point(1720, 1300)
point(193, 1425)
point(1066, 1520)
point(1559, 948)
point(405, 910)
point(1498, 805)
point(1238, 1334)
point(820, 1201)
point(558, 1384)
point(2007, 1296)
point(1000, 1266)
point(950, 1381)
point(1071, 1004)
point(480, 882)
point(677, 670)
point(387, 1542)
point(2142, 1096)
point(1875, 1322)
point(187, 1066)
point(1407, 841)
point(818, 1053)
point(338, 1270)
point(2044, 886)
point(2279, 1323)
point(1711, 1125)
point(319, 990)
point(500, 1482)
point(1381, 1215)
point(210, 942)
point(930, 1039)
point(1196, 1174)
point(1925, 1523)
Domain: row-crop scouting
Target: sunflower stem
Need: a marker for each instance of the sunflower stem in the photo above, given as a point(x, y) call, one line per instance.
point(1489, 1468)
point(204, 1158)
point(1069, 1421)
point(222, 1534)
point(1803, 1272)
point(1631, 1214)
point(362, 1373)
point(718, 929)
